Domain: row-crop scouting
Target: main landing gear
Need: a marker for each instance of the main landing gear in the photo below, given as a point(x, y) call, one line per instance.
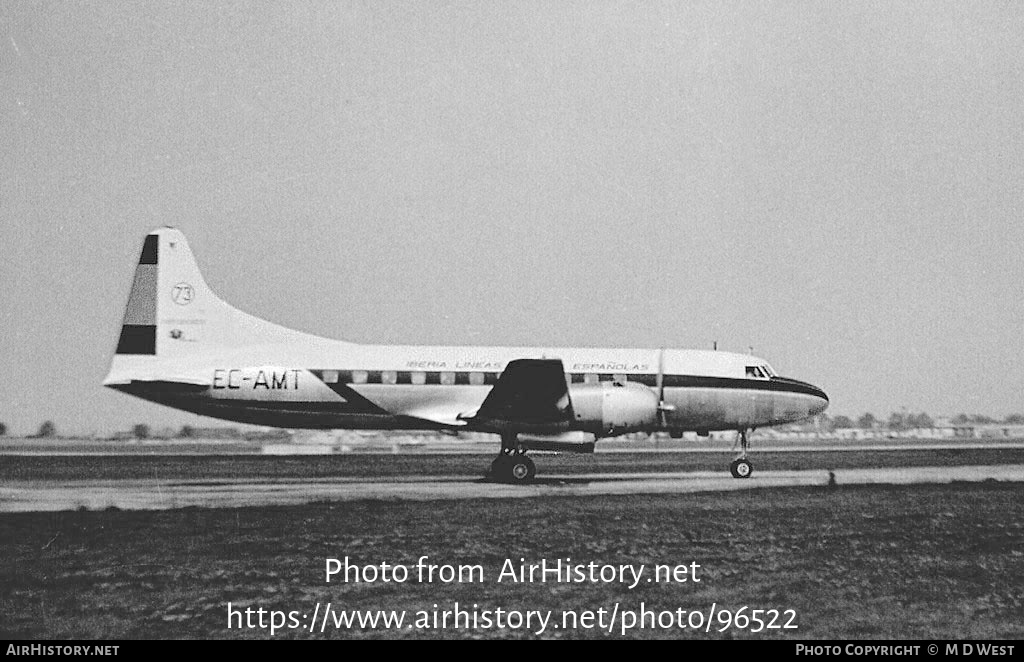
point(512, 465)
point(741, 467)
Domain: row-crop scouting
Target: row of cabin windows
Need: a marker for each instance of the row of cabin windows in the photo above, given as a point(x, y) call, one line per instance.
point(460, 378)
point(491, 378)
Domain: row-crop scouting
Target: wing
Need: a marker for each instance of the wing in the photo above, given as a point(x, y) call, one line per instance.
point(529, 391)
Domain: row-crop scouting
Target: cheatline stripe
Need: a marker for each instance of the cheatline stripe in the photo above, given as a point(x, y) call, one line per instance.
point(355, 400)
point(779, 384)
point(776, 384)
point(299, 407)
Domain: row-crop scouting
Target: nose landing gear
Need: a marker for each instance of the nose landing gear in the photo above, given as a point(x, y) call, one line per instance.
point(741, 467)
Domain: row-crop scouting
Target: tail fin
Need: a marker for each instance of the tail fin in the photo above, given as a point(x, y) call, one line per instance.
point(172, 314)
point(171, 311)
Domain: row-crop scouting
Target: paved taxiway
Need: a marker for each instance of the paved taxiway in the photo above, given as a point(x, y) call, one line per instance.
point(109, 449)
point(158, 494)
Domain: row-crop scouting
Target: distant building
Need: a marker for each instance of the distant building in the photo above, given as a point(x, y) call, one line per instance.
point(943, 429)
point(988, 430)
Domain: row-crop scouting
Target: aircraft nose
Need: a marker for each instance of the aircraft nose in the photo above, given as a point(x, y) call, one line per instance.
point(820, 403)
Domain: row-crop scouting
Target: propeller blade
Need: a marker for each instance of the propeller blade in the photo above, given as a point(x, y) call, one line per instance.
point(660, 383)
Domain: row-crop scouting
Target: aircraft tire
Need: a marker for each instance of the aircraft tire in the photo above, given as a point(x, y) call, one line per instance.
point(520, 469)
point(741, 468)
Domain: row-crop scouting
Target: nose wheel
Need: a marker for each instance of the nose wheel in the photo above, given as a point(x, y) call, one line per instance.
point(512, 464)
point(741, 466)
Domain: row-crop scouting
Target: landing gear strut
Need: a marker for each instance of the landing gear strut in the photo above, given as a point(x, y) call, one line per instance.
point(741, 467)
point(512, 465)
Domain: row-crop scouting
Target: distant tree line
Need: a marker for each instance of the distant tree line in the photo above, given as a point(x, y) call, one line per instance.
point(906, 421)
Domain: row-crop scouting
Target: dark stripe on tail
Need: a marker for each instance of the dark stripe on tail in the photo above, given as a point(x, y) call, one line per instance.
point(149, 250)
point(137, 339)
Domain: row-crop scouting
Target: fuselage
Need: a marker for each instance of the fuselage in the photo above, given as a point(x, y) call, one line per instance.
point(388, 387)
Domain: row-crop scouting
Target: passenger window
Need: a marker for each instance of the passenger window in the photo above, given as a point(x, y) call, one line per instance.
point(619, 378)
point(330, 376)
point(448, 378)
point(590, 378)
point(476, 378)
point(358, 376)
point(419, 378)
point(388, 377)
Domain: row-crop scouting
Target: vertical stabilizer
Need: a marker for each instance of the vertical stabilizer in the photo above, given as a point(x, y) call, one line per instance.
point(173, 315)
point(171, 311)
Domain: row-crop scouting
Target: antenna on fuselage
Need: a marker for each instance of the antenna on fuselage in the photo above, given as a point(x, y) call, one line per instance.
point(714, 345)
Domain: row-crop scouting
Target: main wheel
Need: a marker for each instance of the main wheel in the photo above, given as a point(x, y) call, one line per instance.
point(741, 468)
point(521, 469)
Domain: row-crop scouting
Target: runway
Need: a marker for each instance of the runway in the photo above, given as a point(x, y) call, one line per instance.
point(161, 494)
point(76, 447)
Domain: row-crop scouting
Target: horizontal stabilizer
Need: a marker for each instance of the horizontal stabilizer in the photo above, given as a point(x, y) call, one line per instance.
point(158, 379)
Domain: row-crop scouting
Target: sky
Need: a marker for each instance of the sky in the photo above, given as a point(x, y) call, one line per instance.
point(837, 185)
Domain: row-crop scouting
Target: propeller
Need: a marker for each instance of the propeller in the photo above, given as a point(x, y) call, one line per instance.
point(663, 408)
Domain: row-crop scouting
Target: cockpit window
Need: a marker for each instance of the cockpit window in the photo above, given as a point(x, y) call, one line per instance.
point(756, 372)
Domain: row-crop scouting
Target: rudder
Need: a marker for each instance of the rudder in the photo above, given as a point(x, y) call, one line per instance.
point(138, 329)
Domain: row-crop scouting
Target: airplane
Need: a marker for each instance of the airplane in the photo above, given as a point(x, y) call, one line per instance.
point(183, 347)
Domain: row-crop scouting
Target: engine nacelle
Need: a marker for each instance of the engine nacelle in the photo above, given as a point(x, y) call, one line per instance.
point(612, 408)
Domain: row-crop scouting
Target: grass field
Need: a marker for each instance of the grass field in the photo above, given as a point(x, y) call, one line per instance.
point(853, 562)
